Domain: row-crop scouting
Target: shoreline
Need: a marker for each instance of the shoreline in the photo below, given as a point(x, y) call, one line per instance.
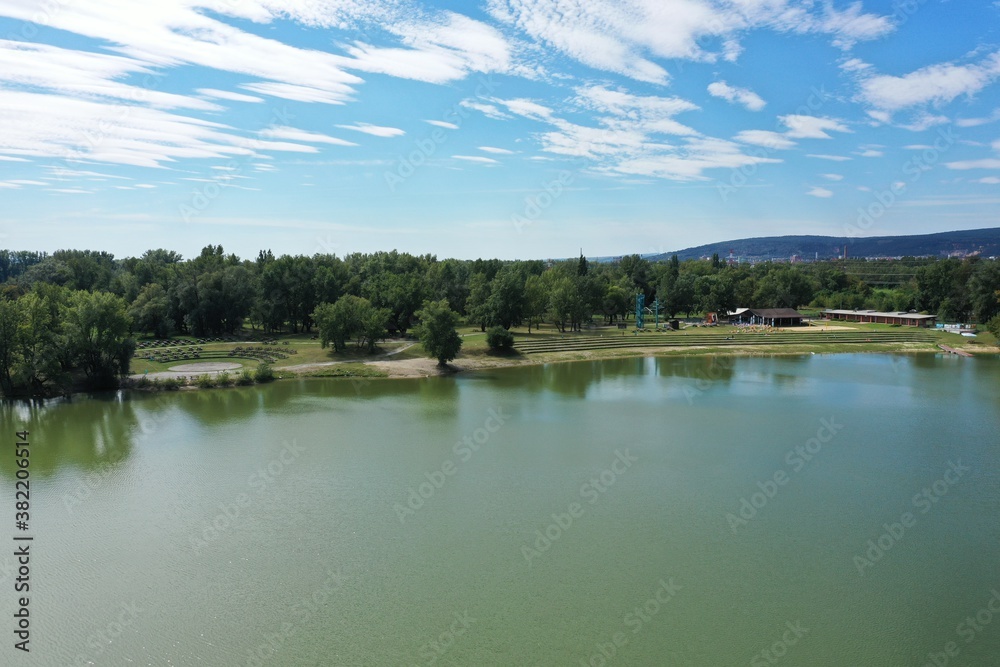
point(422, 367)
point(387, 366)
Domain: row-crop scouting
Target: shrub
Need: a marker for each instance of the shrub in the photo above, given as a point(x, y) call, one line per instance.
point(171, 384)
point(993, 326)
point(264, 373)
point(499, 338)
point(205, 381)
point(143, 382)
point(224, 379)
point(245, 378)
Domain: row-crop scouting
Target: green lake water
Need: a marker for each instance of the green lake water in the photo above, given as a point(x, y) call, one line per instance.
point(663, 511)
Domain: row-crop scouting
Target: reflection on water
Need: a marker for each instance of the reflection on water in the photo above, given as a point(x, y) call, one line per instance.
point(283, 482)
point(85, 432)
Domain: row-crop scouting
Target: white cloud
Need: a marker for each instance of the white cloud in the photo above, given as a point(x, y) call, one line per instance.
point(823, 193)
point(294, 134)
point(498, 151)
point(811, 127)
point(975, 122)
point(70, 129)
point(833, 177)
point(526, 108)
point(628, 36)
point(437, 49)
point(833, 158)
point(476, 158)
point(988, 180)
point(747, 98)
point(442, 123)
point(935, 84)
point(290, 91)
point(490, 110)
point(227, 95)
point(870, 152)
point(374, 130)
point(988, 163)
point(765, 138)
point(85, 74)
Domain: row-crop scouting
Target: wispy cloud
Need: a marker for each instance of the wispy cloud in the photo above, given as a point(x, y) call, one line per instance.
point(374, 130)
point(733, 94)
point(833, 158)
point(443, 123)
point(294, 134)
point(811, 127)
point(476, 158)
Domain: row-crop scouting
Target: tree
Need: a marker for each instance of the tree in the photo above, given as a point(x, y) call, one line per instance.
point(615, 303)
point(498, 338)
point(536, 299)
point(97, 327)
point(993, 326)
point(437, 331)
point(984, 290)
point(9, 316)
point(476, 304)
point(38, 341)
point(505, 305)
point(351, 317)
point(150, 312)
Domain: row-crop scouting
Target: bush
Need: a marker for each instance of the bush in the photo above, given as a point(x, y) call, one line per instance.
point(264, 373)
point(205, 381)
point(224, 379)
point(499, 338)
point(245, 378)
point(171, 384)
point(993, 326)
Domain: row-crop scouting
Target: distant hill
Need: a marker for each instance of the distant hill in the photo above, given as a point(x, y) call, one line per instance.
point(983, 241)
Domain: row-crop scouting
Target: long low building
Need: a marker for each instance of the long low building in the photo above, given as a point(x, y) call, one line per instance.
point(775, 317)
point(878, 317)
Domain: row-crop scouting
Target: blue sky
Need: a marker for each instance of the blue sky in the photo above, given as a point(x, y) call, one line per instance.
point(498, 128)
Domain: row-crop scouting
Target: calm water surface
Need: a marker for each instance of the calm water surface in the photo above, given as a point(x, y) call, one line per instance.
point(627, 512)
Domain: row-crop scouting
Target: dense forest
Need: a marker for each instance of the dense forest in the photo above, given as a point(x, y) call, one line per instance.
point(74, 315)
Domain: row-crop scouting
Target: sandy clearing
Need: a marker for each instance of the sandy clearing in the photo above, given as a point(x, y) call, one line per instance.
point(205, 366)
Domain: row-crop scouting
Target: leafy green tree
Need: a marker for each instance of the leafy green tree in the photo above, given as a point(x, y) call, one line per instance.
point(97, 328)
point(476, 308)
point(984, 290)
point(351, 317)
point(437, 331)
point(337, 321)
point(9, 319)
point(505, 305)
point(150, 312)
point(615, 304)
point(372, 327)
point(993, 326)
point(783, 287)
point(716, 293)
point(498, 338)
point(536, 298)
point(39, 340)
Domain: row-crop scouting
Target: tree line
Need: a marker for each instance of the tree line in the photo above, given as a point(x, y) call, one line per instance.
point(76, 313)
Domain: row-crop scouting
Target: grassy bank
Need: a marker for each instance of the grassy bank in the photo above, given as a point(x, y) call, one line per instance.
point(302, 355)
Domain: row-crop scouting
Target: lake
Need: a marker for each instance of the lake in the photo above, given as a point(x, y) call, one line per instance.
point(811, 510)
